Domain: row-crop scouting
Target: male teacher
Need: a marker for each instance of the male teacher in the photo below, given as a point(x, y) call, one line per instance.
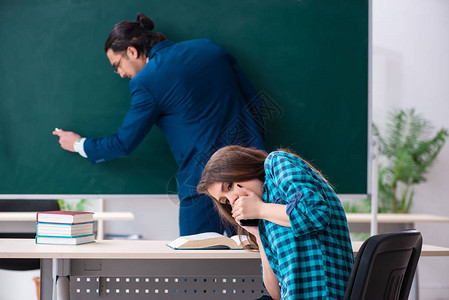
point(195, 92)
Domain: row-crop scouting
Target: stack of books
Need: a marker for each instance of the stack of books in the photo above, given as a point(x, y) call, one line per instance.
point(64, 227)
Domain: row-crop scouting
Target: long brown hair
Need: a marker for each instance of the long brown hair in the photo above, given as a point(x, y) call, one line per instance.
point(237, 164)
point(233, 164)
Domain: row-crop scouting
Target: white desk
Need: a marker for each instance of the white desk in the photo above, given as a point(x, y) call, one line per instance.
point(100, 217)
point(147, 269)
point(360, 222)
point(427, 250)
point(113, 249)
point(141, 249)
point(395, 218)
point(143, 269)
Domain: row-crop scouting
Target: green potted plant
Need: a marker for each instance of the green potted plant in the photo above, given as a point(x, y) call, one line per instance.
point(81, 205)
point(408, 150)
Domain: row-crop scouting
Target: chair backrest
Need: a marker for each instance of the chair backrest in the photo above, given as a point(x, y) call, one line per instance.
point(28, 205)
point(20, 205)
point(385, 266)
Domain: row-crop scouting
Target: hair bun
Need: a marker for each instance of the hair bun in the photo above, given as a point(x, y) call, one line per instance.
point(145, 22)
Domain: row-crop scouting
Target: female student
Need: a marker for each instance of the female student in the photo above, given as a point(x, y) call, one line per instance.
point(302, 237)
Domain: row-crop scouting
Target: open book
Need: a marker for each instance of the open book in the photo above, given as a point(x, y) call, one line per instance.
point(208, 240)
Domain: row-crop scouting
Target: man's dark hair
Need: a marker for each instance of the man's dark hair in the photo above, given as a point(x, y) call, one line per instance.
point(136, 34)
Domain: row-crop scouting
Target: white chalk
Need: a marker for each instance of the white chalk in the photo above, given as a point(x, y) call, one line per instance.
point(57, 129)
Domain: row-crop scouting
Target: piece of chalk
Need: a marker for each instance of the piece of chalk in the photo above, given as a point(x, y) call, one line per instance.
point(57, 129)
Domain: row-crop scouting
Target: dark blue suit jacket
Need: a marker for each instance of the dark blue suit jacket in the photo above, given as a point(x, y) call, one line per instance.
point(195, 92)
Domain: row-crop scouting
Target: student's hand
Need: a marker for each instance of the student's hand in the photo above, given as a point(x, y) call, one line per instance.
point(248, 206)
point(66, 139)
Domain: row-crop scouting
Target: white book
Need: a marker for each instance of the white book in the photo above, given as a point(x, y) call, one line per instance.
point(59, 229)
point(65, 240)
point(208, 240)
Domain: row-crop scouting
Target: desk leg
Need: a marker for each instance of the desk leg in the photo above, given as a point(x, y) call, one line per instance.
point(61, 279)
point(46, 279)
point(63, 288)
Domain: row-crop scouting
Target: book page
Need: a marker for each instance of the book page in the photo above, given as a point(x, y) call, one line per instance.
point(202, 236)
point(241, 241)
point(204, 241)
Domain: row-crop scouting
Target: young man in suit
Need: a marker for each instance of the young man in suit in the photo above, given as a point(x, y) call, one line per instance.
point(195, 92)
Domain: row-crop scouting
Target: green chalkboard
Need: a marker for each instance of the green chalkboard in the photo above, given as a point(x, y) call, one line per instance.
point(307, 58)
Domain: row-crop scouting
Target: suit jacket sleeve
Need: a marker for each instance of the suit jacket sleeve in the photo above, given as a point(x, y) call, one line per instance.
point(138, 121)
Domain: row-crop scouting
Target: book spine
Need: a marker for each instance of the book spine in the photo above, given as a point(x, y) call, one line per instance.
point(60, 223)
point(65, 224)
point(88, 242)
point(64, 237)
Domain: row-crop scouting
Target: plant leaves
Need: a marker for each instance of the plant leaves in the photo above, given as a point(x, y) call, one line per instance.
point(408, 150)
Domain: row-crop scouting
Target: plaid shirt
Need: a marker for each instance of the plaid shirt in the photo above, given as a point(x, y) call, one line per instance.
point(313, 258)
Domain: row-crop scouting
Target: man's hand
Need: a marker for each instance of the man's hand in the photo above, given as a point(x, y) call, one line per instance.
point(66, 139)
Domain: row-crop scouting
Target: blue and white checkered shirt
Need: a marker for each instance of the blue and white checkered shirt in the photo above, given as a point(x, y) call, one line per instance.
point(313, 258)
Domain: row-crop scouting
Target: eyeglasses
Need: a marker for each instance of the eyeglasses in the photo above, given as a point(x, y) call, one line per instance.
point(117, 65)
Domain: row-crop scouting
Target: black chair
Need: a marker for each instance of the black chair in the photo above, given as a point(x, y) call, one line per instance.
point(23, 206)
point(385, 266)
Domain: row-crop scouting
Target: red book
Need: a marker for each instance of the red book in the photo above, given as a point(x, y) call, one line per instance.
point(65, 217)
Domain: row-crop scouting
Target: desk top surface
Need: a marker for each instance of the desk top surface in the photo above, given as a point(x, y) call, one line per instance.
point(112, 249)
point(395, 218)
point(139, 249)
point(31, 216)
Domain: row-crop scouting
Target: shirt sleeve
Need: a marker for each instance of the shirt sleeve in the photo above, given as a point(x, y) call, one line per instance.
point(81, 148)
point(137, 123)
point(307, 210)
